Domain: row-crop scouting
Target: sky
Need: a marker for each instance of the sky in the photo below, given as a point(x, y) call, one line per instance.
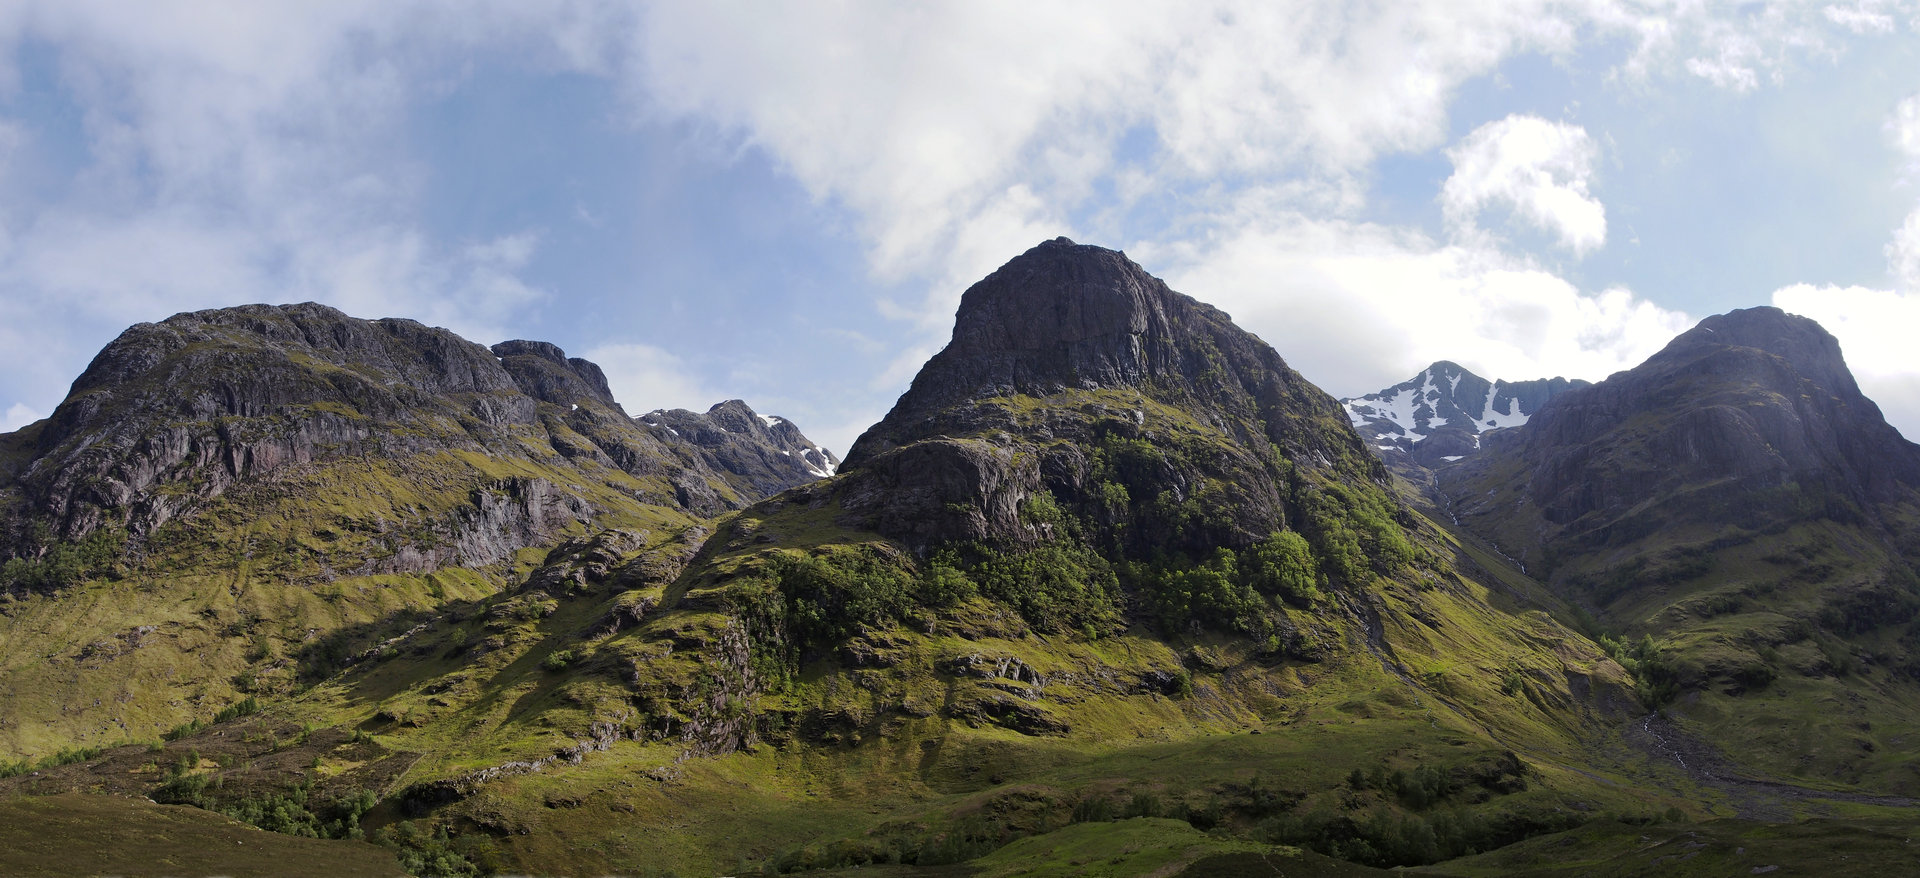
point(784, 202)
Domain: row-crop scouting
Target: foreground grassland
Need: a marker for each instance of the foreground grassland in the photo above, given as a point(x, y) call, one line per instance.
point(65, 835)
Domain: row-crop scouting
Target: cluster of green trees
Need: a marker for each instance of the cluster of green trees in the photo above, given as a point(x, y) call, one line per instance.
point(809, 603)
point(297, 811)
point(66, 756)
point(1386, 837)
point(1228, 590)
point(1656, 677)
point(61, 563)
point(292, 812)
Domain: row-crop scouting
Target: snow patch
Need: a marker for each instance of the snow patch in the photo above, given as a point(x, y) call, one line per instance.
point(1493, 418)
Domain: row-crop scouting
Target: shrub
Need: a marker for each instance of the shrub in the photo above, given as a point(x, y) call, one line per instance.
point(247, 706)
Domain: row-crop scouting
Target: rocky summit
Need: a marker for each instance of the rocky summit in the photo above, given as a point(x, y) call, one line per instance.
point(767, 454)
point(1121, 358)
point(1112, 589)
point(1751, 419)
point(1438, 416)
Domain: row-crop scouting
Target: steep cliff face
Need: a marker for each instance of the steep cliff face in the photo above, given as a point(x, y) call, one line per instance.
point(203, 400)
point(1119, 358)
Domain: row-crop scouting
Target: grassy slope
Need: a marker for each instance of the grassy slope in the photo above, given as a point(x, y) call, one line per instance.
point(255, 592)
point(1878, 845)
point(872, 759)
point(103, 835)
point(866, 758)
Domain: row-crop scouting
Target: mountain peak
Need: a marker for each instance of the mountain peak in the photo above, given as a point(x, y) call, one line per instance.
point(1437, 416)
point(1812, 351)
point(1070, 346)
point(1067, 316)
point(1750, 418)
point(1064, 314)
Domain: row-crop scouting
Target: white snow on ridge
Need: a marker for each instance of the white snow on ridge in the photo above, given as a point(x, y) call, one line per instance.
point(818, 462)
point(1402, 409)
point(1493, 419)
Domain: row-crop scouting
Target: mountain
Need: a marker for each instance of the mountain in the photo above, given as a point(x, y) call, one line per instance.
point(1158, 411)
point(1737, 498)
point(767, 453)
point(233, 484)
point(1438, 415)
point(1111, 588)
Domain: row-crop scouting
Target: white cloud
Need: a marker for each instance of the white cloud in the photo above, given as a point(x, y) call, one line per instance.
point(919, 118)
point(1739, 47)
point(1862, 18)
point(1357, 307)
point(256, 153)
point(1875, 329)
point(1539, 169)
point(1903, 253)
point(1728, 69)
point(18, 415)
point(644, 378)
point(1904, 125)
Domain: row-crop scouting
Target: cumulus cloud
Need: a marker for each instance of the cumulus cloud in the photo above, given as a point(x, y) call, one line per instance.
point(1903, 250)
point(18, 415)
point(1357, 307)
point(644, 378)
point(1538, 169)
point(260, 151)
point(921, 118)
point(1875, 329)
point(252, 153)
point(1903, 253)
point(1904, 125)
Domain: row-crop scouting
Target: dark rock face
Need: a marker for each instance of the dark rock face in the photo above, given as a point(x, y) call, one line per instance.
point(1439, 415)
point(173, 414)
point(761, 454)
point(206, 399)
point(546, 373)
point(1065, 315)
point(1750, 418)
point(1118, 356)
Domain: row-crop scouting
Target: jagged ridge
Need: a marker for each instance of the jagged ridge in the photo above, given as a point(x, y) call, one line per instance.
point(1438, 415)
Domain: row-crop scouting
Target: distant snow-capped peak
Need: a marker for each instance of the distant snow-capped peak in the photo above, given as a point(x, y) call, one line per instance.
point(1446, 400)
